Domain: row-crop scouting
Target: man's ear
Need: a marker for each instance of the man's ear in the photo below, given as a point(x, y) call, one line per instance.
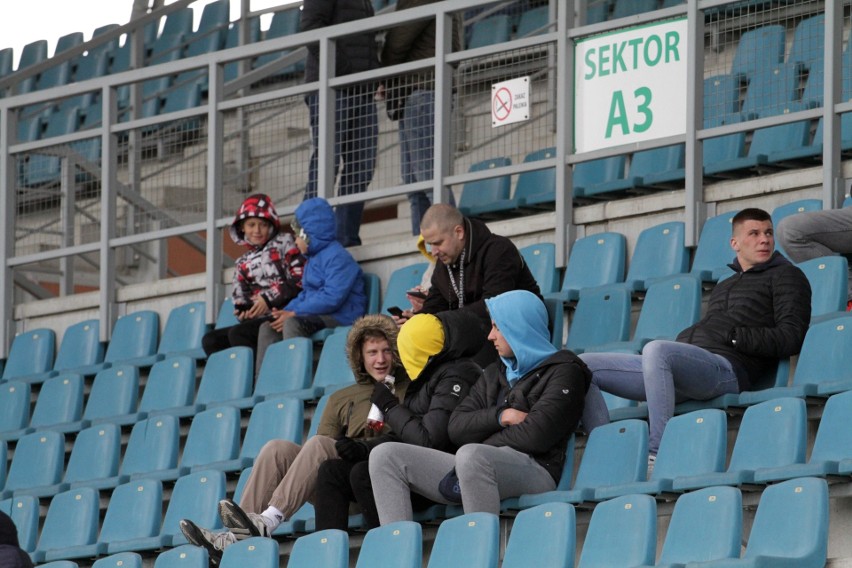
point(458, 231)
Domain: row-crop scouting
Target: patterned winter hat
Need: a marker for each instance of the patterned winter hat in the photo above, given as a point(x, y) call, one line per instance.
point(258, 205)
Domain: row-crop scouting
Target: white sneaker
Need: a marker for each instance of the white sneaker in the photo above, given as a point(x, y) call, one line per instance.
point(652, 460)
point(215, 543)
point(243, 525)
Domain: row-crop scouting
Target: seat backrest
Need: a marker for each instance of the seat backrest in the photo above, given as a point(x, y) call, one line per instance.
point(135, 510)
point(59, 401)
point(825, 352)
point(692, 444)
point(212, 29)
point(532, 22)
point(287, 365)
point(372, 287)
point(772, 434)
point(320, 408)
point(275, 419)
point(186, 556)
point(134, 335)
point(829, 280)
point(541, 260)
point(226, 317)
point(259, 552)
point(657, 160)
point(670, 306)
point(555, 319)
point(602, 316)
point(808, 49)
point(622, 532)
point(758, 49)
point(178, 23)
point(402, 541)
point(624, 8)
point(705, 525)
point(115, 392)
point(333, 367)
point(153, 446)
point(486, 191)
point(721, 96)
point(792, 523)
point(213, 436)
point(468, 540)
point(401, 280)
point(714, 246)
point(31, 353)
point(195, 496)
point(833, 438)
point(33, 52)
point(24, 511)
point(184, 329)
point(615, 453)
point(794, 207)
point(7, 56)
point(491, 30)
point(121, 559)
point(95, 454)
point(81, 345)
point(540, 184)
point(72, 520)
point(14, 406)
point(542, 536)
point(595, 260)
point(659, 251)
point(241, 484)
point(170, 383)
point(594, 172)
point(770, 90)
point(228, 375)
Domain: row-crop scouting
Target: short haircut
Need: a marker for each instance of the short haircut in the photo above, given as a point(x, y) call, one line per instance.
point(443, 216)
point(749, 214)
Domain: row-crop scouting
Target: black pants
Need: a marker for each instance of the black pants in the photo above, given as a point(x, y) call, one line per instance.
point(244, 334)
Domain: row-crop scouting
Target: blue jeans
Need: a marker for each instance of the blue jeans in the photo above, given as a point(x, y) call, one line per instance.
point(664, 374)
point(355, 142)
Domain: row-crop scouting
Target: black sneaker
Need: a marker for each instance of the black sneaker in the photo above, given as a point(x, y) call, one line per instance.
point(214, 543)
point(243, 525)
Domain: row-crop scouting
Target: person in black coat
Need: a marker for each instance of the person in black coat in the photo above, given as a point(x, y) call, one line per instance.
point(11, 554)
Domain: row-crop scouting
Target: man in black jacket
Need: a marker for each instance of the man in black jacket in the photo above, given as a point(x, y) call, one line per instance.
point(356, 125)
point(754, 318)
point(512, 428)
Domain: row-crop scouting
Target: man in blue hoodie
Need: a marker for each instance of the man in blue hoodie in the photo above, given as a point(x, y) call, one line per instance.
point(332, 283)
point(512, 428)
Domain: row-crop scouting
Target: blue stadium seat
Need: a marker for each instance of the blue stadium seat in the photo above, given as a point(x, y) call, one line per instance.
point(120, 560)
point(186, 556)
point(790, 527)
point(692, 444)
point(759, 48)
point(7, 57)
point(37, 465)
point(659, 251)
point(226, 317)
point(771, 434)
point(595, 260)
point(94, 458)
point(59, 564)
point(113, 397)
point(792, 208)
point(332, 372)
point(771, 90)
point(625, 8)
point(808, 48)
point(671, 305)
point(478, 197)
point(134, 339)
point(60, 74)
point(590, 176)
point(81, 351)
point(24, 511)
point(135, 512)
point(541, 260)
point(556, 320)
point(228, 376)
point(615, 454)
point(489, 31)
point(372, 289)
point(597, 11)
point(241, 484)
point(714, 253)
point(59, 405)
point(828, 277)
point(725, 155)
point(14, 410)
point(296, 355)
point(401, 280)
point(542, 536)
point(721, 97)
point(170, 387)
point(233, 40)
point(536, 190)
point(214, 436)
point(259, 552)
point(468, 540)
point(32, 53)
point(400, 544)
point(31, 354)
point(657, 167)
point(71, 526)
point(706, 525)
point(533, 22)
point(564, 483)
point(152, 448)
point(212, 29)
point(297, 523)
point(602, 316)
point(315, 420)
point(183, 332)
point(622, 532)
point(284, 23)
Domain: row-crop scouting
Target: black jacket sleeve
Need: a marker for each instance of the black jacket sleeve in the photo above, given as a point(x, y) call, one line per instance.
point(476, 417)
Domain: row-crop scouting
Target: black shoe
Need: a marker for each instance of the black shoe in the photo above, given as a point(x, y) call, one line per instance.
point(214, 543)
point(241, 524)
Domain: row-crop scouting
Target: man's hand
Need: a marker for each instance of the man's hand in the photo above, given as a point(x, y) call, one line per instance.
point(510, 417)
point(406, 315)
point(258, 309)
point(279, 318)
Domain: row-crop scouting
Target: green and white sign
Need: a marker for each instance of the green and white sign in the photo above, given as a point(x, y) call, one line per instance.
point(630, 85)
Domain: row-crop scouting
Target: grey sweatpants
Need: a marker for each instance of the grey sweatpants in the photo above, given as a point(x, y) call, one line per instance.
point(486, 474)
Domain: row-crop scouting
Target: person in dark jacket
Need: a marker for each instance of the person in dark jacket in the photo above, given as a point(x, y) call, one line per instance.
point(434, 351)
point(512, 428)
point(11, 554)
point(356, 125)
point(754, 318)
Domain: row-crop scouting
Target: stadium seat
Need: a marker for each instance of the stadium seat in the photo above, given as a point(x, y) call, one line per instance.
point(602, 316)
point(59, 405)
point(671, 305)
point(324, 548)
point(596, 260)
point(170, 387)
point(625, 8)
point(721, 97)
point(14, 410)
point(759, 48)
point(692, 444)
point(541, 260)
point(533, 22)
point(564, 483)
point(183, 332)
point(397, 544)
point(536, 190)
point(94, 458)
point(209, 37)
point(790, 527)
point(771, 434)
point(287, 366)
point(372, 288)
point(296, 523)
point(479, 198)
point(60, 74)
point(556, 320)
point(259, 552)
point(808, 48)
point(714, 253)
point(542, 536)
point(135, 512)
point(725, 155)
point(622, 532)
point(37, 465)
point(590, 176)
point(771, 90)
point(59, 564)
point(615, 454)
point(152, 448)
point(232, 70)
point(24, 511)
point(597, 11)
point(113, 397)
point(134, 339)
point(658, 167)
point(828, 277)
point(7, 57)
point(401, 280)
point(186, 556)
point(241, 484)
point(332, 372)
point(32, 53)
point(284, 23)
point(214, 436)
point(792, 208)
point(31, 354)
point(706, 526)
point(120, 560)
point(71, 526)
point(81, 351)
point(226, 317)
point(227, 377)
point(490, 31)
point(659, 251)
point(318, 410)
point(468, 540)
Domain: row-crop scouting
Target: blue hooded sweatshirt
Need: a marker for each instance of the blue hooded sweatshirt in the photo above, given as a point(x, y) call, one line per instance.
point(522, 319)
point(332, 283)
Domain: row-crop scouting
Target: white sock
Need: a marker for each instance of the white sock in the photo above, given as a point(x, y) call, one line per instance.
point(272, 517)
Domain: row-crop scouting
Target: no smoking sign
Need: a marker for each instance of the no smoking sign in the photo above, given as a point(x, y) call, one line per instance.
point(510, 101)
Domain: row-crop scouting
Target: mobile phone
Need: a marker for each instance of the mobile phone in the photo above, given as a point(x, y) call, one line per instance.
point(242, 307)
point(395, 311)
point(417, 293)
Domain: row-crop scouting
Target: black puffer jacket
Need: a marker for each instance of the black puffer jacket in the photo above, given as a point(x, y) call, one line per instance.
point(11, 554)
point(767, 309)
point(354, 53)
point(552, 394)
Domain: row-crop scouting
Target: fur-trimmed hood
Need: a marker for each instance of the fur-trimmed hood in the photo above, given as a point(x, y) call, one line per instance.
point(372, 324)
